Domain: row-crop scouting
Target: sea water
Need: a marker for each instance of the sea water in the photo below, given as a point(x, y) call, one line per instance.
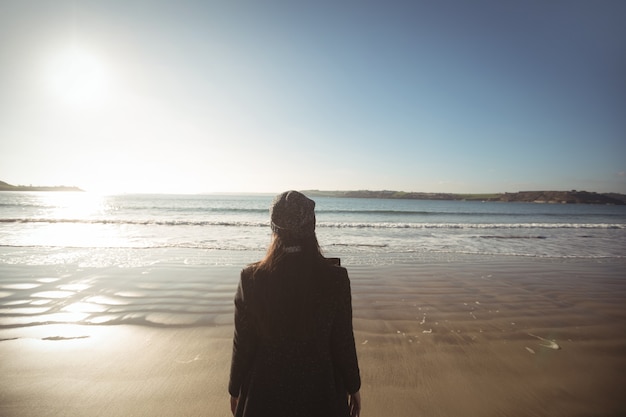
point(54, 227)
point(172, 260)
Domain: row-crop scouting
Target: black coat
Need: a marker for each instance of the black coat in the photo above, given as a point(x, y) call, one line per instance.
point(295, 375)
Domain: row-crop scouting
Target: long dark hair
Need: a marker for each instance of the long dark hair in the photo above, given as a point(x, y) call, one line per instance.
point(284, 248)
point(284, 286)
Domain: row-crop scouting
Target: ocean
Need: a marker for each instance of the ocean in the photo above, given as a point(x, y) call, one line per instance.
point(98, 230)
point(174, 260)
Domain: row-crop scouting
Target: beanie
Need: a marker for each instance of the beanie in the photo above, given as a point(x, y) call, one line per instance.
point(293, 214)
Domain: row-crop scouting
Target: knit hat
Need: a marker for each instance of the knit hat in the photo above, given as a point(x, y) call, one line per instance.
point(293, 214)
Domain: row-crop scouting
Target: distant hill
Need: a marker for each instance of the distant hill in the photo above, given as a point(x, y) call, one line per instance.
point(8, 187)
point(565, 197)
point(553, 197)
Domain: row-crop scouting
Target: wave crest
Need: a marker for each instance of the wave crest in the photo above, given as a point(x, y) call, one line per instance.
point(337, 225)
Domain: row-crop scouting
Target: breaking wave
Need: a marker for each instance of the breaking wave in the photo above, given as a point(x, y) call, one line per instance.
point(357, 225)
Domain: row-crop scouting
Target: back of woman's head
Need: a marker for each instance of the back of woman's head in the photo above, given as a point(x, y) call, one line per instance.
point(292, 214)
point(292, 219)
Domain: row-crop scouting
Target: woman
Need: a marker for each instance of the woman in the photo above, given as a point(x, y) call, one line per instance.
point(293, 348)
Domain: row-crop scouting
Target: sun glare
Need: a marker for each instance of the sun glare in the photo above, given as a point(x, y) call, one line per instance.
point(77, 76)
point(72, 205)
point(67, 222)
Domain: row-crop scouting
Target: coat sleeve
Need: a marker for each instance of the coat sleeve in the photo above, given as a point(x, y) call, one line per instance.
point(244, 339)
point(342, 339)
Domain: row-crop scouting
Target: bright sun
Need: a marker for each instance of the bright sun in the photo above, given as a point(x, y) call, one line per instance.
point(77, 76)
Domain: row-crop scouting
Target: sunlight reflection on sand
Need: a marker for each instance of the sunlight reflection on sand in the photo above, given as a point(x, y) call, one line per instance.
point(114, 296)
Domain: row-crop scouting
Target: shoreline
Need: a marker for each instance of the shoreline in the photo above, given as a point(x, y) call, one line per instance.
point(445, 336)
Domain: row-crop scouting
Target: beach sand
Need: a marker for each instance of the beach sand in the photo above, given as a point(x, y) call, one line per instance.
point(487, 337)
point(461, 336)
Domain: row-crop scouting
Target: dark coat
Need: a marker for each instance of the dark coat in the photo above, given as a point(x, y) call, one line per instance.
point(295, 375)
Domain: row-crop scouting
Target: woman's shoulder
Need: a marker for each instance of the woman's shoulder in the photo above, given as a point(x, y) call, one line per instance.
point(248, 271)
point(338, 271)
point(334, 271)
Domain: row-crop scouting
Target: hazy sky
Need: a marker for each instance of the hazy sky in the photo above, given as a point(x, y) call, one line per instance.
point(202, 96)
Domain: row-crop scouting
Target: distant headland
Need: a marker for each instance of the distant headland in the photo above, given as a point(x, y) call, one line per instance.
point(8, 187)
point(551, 197)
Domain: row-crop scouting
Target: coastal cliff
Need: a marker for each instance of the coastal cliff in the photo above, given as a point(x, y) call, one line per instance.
point(552, 197)
point(8, 187)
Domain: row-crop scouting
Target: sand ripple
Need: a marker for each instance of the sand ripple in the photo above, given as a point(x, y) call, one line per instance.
point(156, 296)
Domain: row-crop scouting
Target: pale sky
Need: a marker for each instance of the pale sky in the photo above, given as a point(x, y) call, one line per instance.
point(264, 96)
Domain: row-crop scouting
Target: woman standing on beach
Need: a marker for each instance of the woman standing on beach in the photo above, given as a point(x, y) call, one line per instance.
point(293, 347)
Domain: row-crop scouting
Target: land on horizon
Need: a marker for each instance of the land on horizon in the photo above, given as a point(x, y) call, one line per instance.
point(8, 187)
point(560, 197)
point(553, 197)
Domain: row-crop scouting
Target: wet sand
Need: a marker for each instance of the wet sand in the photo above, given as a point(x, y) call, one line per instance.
point(462, 336)
point(487, 337)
